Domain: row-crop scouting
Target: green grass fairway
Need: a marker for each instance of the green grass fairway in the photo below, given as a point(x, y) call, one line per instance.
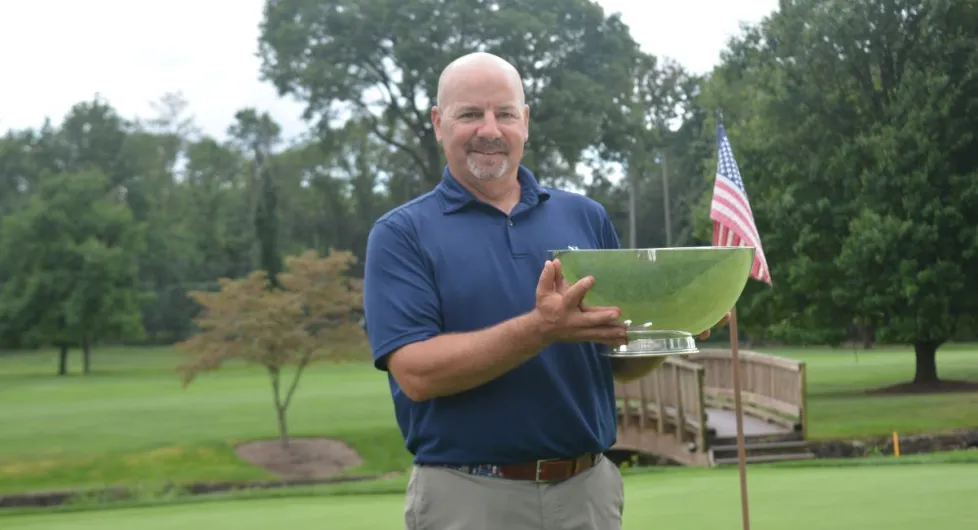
point(131, 423)
point(838, 379)
point(908, 497)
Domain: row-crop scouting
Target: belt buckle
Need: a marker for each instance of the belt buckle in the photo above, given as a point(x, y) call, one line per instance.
point(536, 477)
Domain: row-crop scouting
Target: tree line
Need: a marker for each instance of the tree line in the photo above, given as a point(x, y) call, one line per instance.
point(852, 122)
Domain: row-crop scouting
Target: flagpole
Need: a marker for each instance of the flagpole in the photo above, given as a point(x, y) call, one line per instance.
point(733, 203)
point(739, 411)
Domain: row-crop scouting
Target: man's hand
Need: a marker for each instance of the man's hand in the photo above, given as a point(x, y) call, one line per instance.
point(562, 317)
point(706, 334)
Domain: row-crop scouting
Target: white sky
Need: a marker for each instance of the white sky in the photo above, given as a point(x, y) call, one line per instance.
point(55, 53)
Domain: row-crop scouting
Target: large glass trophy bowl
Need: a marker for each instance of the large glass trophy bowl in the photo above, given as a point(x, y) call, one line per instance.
point(667, 296)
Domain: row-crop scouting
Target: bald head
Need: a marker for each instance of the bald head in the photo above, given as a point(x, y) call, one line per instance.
point(476, 64)
point(481, 119)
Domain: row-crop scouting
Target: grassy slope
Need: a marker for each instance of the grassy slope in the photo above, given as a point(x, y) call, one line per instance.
point(130, 422)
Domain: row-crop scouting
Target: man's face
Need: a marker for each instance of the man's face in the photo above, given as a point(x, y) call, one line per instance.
point(483, 124)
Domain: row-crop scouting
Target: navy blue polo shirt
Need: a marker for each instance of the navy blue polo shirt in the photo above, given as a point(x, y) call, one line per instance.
point(447, 262)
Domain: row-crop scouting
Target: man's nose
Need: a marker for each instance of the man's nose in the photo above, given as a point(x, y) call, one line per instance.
point(489, 128)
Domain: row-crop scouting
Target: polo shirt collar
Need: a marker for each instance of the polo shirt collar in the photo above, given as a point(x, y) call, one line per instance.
point(454, 196)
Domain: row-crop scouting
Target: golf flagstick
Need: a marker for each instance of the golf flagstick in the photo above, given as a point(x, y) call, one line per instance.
point(733, 225)
point(739, 411)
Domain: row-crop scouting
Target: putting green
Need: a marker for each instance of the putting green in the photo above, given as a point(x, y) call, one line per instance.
point(908, 497)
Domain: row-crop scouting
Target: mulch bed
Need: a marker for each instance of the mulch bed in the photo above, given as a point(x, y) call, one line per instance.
point(305, 462)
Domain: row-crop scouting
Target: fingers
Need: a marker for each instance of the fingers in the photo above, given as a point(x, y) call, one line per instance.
point(611, 335)
point(597, 318)
point(558, 275)
point(599, 308)
point(546, 283)
point(575, 294)
point(706, 334)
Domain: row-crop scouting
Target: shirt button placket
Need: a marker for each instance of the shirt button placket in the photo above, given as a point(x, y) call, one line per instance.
point(510, 238)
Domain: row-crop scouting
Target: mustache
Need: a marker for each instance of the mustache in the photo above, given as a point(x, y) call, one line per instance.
point(487, 146)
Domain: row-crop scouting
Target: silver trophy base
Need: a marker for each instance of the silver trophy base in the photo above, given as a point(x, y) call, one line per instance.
point(655, 343)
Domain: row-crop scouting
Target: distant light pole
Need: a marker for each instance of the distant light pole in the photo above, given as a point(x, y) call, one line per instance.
point(632, 176)
point(661, 159)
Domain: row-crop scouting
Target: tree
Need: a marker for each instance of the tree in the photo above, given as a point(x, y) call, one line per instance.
point(379, 62)
point(258, 133)
point(312, 317)
point(72, 256)
point(862, 117)
point(645, 139)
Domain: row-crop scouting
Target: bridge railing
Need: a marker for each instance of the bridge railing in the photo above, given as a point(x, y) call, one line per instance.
point(772, 388)
point(669, 400)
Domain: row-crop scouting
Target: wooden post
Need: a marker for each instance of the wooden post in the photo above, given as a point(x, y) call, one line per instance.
point(680, 410)
point(701, 400)
point(803, 374)
point(644, 412)
point(660, 406)
point(738, 407)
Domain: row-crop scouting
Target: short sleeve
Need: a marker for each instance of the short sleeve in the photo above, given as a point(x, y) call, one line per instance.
point(609, 237)
point(400, 299)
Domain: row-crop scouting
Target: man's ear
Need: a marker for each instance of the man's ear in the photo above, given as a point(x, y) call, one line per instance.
point(436, 122)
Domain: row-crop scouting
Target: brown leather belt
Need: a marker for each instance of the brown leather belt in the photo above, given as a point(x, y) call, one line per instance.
point(553, 470)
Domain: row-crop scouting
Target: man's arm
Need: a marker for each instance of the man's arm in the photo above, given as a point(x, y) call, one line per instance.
point(456, 362)
point(404, 323)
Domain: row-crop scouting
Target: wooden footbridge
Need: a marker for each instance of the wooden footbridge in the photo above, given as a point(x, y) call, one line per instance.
point(684, 410)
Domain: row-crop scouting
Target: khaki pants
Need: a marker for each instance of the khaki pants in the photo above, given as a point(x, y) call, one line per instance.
point(445, 499)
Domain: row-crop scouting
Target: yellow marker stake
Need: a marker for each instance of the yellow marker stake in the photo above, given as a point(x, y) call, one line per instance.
point(896, 444)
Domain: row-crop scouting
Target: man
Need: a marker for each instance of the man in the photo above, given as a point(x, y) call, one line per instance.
point(496, 368)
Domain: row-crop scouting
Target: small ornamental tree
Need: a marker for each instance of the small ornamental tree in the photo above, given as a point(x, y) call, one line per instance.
point(312, 316)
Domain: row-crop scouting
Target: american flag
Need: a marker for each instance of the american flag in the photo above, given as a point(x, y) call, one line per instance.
point(733, 219)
